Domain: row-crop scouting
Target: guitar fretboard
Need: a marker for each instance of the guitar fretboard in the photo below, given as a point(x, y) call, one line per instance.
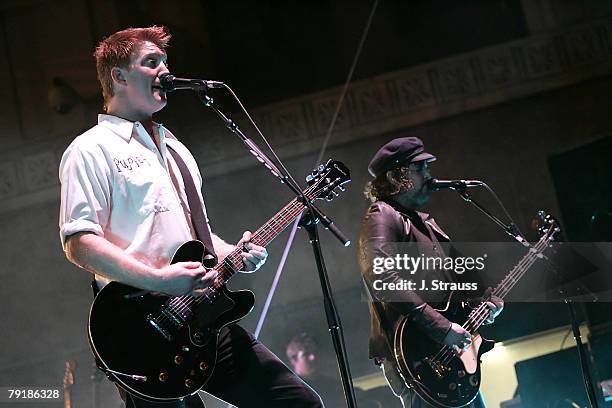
point(478, 316)
point(262, 237)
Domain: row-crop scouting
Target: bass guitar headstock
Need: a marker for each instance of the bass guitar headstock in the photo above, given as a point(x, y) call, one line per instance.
point(326, 180)
point(547, 226)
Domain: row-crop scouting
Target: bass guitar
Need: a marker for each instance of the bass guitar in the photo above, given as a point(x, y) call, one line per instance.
point(438, 374)
point(162, 348)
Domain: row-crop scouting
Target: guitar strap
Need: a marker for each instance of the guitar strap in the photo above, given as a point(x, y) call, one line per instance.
point(197, 212)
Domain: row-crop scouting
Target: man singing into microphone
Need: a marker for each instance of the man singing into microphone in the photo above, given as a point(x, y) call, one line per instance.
point(124, 212)
point(401, 185)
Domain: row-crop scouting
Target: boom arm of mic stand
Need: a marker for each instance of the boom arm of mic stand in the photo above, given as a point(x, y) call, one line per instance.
point(275, 170)
point(253, 149)
point(329, 224)
point(509, 229)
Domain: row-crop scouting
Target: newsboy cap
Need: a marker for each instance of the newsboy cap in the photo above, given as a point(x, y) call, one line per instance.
point(403, 150)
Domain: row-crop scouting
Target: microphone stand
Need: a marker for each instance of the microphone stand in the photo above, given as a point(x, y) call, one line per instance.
point(309, 221)
point(511, 230)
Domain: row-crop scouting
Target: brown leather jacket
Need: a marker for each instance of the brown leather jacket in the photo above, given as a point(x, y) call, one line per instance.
point(385, 227)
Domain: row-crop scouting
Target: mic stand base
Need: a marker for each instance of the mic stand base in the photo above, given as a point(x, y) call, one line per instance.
point(333, 319)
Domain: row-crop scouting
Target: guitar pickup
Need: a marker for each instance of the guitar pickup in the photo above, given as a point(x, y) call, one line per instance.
point(153, 322)
point(436, 366)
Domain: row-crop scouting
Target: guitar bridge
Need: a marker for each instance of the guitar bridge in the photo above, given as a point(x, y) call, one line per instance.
point(437, 367)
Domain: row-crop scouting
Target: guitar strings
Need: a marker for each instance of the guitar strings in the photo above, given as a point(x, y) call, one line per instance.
point(181, 304)
point(479, 314)
point(268, 231)
point(446, 353)
point(225, 269)
point(510, 281)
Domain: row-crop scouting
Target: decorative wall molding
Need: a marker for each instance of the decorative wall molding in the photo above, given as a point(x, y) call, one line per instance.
point(374, 106)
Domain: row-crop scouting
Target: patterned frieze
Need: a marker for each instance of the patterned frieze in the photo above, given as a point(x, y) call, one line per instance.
point(371, 107)
point(40, 171)
point(8, 180)
point(321, 111)
point(410, 92)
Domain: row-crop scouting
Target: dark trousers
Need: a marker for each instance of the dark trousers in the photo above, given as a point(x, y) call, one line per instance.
point(247, 375)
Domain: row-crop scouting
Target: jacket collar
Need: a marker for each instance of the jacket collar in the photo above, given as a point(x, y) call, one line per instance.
point(425, 217)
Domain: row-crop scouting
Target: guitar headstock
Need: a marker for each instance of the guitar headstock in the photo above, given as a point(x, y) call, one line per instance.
point(326, 180)
point(547, 226)
point(69, 374)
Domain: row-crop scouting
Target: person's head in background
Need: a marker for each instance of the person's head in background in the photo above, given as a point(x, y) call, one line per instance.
point(302, 352)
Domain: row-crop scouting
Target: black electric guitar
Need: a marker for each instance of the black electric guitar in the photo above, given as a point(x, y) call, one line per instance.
point(163, 348)
point(436, 373)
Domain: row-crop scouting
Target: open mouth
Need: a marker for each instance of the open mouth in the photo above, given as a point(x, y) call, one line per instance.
point(158, 87)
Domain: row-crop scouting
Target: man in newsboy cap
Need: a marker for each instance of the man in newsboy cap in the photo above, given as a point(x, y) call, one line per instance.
point(401, 172)
point(402, 184)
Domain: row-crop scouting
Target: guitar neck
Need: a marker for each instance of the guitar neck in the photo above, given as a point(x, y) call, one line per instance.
point(262, 237)
point(515, 275)
point(479, 314)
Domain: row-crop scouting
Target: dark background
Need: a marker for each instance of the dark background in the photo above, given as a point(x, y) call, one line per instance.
point(520, 98)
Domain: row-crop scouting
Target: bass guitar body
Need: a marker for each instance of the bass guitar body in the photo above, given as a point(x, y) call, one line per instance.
point(153, 351)
point(438, 375)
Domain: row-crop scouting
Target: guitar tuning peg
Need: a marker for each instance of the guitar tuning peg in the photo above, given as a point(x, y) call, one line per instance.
point(342, 188)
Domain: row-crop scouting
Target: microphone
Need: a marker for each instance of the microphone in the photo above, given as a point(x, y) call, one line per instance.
point(170, 83)
point(436, 185)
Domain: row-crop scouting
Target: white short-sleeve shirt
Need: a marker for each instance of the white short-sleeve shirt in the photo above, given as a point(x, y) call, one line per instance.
point(117, 184)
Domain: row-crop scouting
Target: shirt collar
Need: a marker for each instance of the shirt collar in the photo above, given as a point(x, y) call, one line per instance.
point(120, 126)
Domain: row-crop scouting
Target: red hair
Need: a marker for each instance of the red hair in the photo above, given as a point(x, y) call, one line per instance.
point(117, 49)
